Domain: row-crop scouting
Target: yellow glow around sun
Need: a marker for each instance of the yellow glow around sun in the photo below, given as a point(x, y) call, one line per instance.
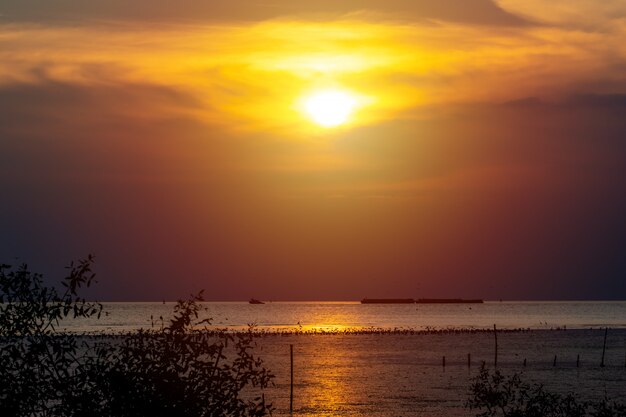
point(330, 108)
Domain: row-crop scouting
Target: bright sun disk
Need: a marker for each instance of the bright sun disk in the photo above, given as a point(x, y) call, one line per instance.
point(330, 108)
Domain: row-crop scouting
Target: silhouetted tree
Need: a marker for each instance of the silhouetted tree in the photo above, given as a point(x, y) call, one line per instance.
point(178, 370)
point(497, 395)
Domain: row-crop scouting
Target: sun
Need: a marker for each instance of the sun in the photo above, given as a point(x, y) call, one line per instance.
point(330, 108)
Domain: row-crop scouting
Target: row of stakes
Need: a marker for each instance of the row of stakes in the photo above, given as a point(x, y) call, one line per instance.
point(495, 334)
point(469, 361)
point(495, 361)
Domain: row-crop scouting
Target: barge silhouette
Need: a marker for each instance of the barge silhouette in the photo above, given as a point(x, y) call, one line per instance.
point(420, 301)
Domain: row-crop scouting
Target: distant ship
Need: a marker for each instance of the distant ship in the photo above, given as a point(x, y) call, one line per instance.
point(420, 301)
point(255, 301)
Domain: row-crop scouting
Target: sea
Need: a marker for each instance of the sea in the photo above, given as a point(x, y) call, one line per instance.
point(349, 315)
point(390, 360)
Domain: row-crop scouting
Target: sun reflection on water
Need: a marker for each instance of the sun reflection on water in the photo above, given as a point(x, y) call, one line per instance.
point(329, 391)
point(324, 327)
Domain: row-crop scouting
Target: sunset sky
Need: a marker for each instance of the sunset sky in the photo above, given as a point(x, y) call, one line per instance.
point(327, 150)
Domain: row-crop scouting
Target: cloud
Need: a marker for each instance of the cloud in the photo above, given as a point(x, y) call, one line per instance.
point(250, 77)
point(584, 14)
point(483, 12)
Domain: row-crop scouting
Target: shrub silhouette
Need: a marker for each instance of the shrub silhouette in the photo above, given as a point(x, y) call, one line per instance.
point(177, 370)
point(496, 395)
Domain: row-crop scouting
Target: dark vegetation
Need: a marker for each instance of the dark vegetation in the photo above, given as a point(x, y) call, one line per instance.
point(493, 394)
point(177, 370)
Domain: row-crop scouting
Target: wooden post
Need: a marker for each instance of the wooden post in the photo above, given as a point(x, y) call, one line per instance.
point(469, 360)
point(524, 362)
point(291, 387)
point(578, 360)
point(554, 363)
point(495, 335)
point(606, 330)
point(443, 362)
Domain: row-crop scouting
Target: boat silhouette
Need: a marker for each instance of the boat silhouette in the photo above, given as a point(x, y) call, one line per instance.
point(255, 301)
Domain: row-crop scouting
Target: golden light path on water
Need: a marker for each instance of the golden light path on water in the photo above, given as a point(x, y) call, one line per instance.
point(329, 372)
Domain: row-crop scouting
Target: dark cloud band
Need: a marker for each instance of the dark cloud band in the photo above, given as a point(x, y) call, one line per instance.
point(44, 11)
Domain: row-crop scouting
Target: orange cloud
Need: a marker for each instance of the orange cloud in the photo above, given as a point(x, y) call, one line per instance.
point(251, 76)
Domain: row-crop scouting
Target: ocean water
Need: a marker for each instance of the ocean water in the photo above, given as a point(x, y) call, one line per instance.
point(389, 374)
point(338, 316)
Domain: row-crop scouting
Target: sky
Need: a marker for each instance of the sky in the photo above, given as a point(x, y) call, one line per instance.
point(479, 151)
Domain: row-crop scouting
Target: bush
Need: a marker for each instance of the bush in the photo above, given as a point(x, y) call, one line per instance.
point(495, 394)
point(178, 370)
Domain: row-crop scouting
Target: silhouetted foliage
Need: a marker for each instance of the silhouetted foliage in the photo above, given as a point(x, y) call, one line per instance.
point(29, 308)
point(177, 370)
point(494, 394)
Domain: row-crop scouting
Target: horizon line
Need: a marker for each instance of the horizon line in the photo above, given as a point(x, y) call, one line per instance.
point(355, 301)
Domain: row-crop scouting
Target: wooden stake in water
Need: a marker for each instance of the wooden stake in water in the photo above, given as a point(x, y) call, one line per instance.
point(444, 362)
point(554, 363)
point(495, 335)
point(606, 330)
point(469, 360)
point(578, 360)
point(291, 387)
